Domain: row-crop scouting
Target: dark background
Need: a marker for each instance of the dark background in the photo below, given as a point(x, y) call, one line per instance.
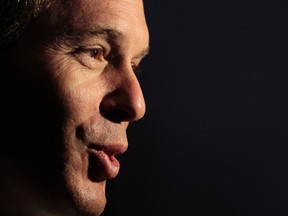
point(214, 138)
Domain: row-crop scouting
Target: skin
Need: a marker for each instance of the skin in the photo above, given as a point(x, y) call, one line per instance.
point(70, 93)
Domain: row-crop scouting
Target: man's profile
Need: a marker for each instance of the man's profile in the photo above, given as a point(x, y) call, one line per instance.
point(68, 92)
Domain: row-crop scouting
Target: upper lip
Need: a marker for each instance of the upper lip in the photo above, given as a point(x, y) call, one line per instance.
point(109, 149)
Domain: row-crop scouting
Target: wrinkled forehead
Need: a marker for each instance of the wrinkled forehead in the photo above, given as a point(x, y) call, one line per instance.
point(89, 13)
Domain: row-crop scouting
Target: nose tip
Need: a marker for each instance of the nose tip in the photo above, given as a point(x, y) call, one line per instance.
point(125, 103)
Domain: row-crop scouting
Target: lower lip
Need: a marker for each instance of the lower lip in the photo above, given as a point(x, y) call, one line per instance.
point(102, 166)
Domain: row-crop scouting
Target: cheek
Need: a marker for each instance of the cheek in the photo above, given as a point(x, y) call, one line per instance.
point(82, 101)
point(79, 90)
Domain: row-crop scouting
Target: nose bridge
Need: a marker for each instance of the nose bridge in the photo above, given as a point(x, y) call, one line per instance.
point(132, 93)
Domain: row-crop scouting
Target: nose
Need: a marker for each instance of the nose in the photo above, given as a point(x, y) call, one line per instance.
point(125, 103)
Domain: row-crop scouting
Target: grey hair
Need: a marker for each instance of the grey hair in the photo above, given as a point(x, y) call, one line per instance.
point(15, 16)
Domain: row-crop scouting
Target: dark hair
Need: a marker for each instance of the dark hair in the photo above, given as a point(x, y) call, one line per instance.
point(15, 16)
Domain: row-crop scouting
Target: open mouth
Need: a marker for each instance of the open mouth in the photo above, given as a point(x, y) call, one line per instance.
point(102, 164)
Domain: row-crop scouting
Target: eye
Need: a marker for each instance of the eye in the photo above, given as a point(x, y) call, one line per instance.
point(96, 53)
point(93, 58)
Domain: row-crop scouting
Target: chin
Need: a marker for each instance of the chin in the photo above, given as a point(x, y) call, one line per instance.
point(88, 201)
point(88, 197)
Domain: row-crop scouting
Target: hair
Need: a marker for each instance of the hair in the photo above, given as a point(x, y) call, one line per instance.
point(15, 16)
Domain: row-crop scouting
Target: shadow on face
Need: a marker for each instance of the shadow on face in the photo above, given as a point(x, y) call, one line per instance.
point(57, 80)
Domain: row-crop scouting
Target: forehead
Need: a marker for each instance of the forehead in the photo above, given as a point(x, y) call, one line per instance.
point(123, 15)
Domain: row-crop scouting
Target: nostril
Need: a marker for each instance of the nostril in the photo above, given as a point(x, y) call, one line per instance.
point(118, 115)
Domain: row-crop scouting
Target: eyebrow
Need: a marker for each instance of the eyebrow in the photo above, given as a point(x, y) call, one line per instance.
point(110, 33)
point(107, 32)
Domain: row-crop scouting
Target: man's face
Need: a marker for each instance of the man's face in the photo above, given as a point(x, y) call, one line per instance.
point(79, 69)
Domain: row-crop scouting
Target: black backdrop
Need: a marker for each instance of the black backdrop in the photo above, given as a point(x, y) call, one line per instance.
point(214, 138)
